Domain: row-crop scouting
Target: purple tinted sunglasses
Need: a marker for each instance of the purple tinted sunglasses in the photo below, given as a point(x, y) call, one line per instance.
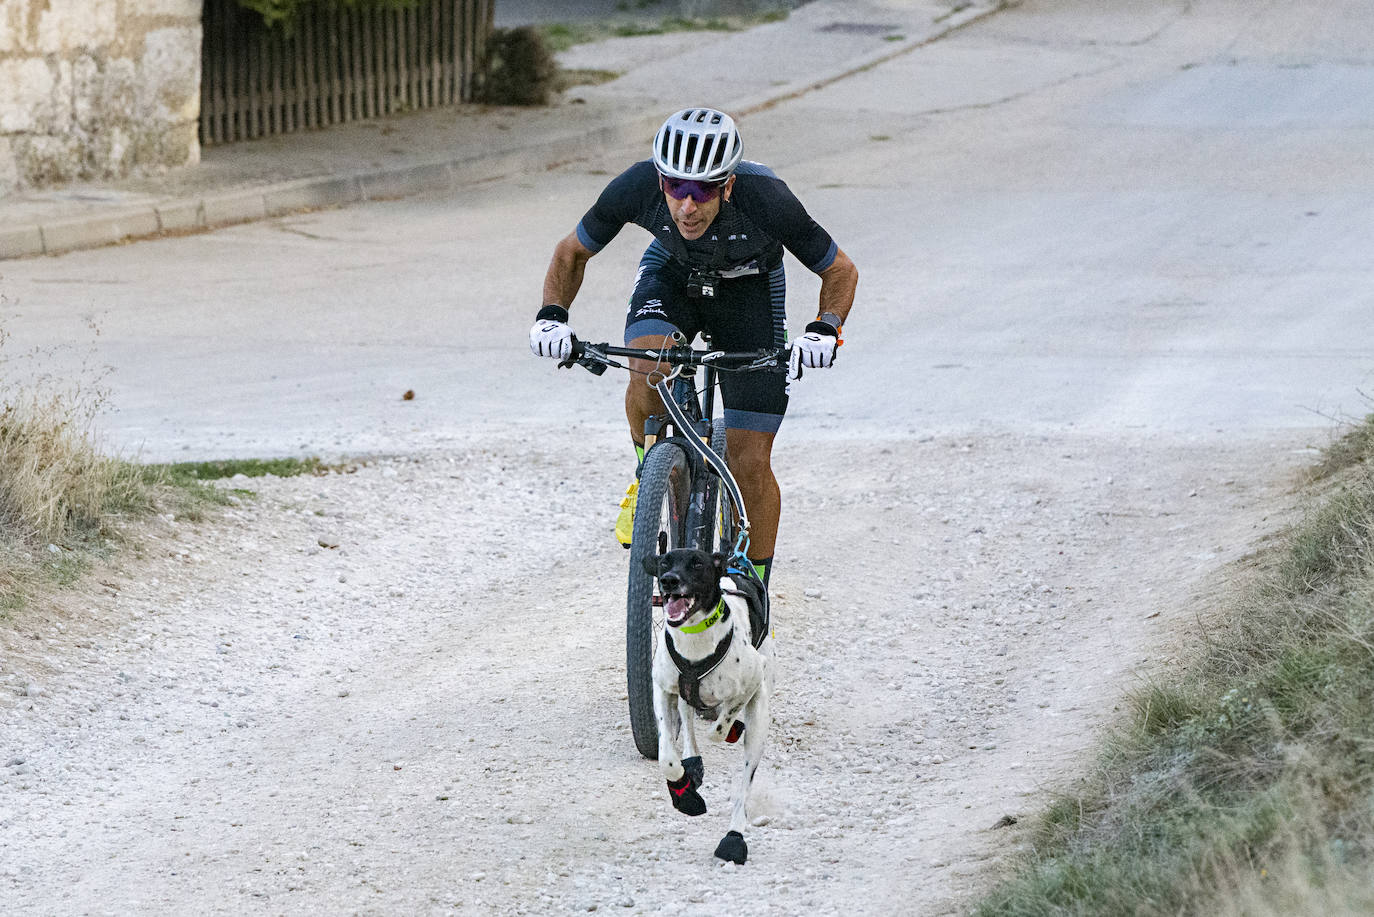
point(699, 191)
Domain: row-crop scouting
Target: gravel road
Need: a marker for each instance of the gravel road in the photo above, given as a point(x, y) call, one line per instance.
point(399, 689)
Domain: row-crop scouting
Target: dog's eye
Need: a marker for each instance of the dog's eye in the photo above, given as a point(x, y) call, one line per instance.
point(697, 565)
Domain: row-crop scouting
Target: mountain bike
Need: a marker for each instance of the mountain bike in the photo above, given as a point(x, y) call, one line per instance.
point(687, 496)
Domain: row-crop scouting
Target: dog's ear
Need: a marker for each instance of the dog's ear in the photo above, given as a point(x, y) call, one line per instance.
point(721, 562)
point(650, 564)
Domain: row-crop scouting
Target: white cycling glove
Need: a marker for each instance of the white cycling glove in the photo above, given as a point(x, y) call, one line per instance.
point(551, 335)
point(815, 349)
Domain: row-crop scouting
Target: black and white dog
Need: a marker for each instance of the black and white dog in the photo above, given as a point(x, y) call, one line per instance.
point(714, 659)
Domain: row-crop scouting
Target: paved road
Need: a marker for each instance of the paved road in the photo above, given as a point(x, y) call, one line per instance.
point(1155, 221)
point(523, 12)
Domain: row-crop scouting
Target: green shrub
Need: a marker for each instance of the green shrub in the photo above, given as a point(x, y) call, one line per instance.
point(282, 13)
point(519, 68)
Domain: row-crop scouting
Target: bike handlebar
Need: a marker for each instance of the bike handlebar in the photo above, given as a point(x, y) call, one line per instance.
point(596, 357)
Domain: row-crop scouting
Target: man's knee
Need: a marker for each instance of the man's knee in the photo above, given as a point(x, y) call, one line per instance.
point(750, 454)
point(639, 396)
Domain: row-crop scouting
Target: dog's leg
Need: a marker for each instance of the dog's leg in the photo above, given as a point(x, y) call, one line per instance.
point(732, 847)
point(681, 792)
point(721, 729)
point(691, 756)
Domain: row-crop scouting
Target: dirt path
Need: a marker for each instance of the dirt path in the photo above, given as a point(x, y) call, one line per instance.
point(429, 717)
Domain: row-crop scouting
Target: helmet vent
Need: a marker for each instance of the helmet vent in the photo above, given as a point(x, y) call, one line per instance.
point(698, 143)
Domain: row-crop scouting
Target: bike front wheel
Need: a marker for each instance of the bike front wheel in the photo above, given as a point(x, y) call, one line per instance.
point(660, 525)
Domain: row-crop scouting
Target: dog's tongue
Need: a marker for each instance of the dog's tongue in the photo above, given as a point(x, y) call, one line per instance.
point(676, 607)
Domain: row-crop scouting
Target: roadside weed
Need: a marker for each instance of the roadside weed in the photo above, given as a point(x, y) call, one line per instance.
point(1246, 784)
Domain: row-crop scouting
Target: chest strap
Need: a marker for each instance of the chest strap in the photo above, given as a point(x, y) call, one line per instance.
point(691, 673)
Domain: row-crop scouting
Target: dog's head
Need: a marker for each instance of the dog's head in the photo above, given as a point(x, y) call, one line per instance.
point(688, 580)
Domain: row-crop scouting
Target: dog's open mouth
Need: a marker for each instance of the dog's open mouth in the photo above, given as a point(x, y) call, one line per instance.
point(676, 608)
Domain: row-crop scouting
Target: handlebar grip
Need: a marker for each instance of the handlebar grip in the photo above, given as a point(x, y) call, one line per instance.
point(578, 356)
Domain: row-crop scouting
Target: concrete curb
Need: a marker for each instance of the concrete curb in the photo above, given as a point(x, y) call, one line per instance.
point(952, 22)
point(242, 205)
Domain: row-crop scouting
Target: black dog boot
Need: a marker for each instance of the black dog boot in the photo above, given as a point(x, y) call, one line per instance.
point(732, 848)
point(684, 796)
point(695, 769)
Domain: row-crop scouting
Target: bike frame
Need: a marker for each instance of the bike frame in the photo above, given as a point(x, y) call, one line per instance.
point(701, 498)
point(692, 434)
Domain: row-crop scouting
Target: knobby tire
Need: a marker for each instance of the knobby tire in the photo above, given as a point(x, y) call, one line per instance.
point(661, 505)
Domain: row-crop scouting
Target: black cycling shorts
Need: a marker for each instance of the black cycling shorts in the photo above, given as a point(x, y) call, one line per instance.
point(747, 313)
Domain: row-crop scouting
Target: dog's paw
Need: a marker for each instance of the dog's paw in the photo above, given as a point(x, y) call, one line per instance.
point(732, 848)
point(684, 796)
point(695, 770)
point(719, 732)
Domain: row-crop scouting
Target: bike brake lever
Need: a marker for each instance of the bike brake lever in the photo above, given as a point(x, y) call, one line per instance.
point(772, 362)
point(587, 356)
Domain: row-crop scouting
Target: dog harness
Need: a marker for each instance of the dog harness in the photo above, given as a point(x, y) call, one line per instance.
point(691, 673)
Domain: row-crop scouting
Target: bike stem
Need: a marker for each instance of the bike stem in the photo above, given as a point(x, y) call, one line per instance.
point(708, 456)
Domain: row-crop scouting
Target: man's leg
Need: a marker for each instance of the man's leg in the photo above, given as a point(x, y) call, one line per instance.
point(641, 401)
point(750, 458)
point(658, 309)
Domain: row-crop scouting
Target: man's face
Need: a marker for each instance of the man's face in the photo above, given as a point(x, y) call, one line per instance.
point(692, 216)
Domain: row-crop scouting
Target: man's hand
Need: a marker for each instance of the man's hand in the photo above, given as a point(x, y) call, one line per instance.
point(813, 350)
point(551, 335)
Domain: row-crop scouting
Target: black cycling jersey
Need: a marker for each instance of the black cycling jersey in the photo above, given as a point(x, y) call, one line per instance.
point(761, 218)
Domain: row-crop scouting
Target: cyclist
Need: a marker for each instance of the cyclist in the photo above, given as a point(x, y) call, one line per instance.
point(720, 224)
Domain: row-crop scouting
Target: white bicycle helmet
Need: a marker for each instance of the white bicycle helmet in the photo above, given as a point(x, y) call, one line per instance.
point(701, 144)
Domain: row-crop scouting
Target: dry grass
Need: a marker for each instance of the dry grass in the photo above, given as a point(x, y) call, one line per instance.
point(63, 502)
point(1245, 785)
point(53, 481)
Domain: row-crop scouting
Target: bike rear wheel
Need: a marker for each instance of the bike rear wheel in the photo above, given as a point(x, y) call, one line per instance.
point(660, 524)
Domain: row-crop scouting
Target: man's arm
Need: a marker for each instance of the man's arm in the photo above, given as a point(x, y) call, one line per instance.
point(564, 277)
point(838, 283)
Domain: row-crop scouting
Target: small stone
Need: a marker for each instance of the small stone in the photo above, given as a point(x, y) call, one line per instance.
point(812, 593)
point(14, 762)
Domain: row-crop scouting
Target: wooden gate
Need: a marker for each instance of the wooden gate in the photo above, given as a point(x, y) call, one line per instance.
point(335, 64)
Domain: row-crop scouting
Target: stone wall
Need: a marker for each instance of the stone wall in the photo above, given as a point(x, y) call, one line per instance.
point(95, 89)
